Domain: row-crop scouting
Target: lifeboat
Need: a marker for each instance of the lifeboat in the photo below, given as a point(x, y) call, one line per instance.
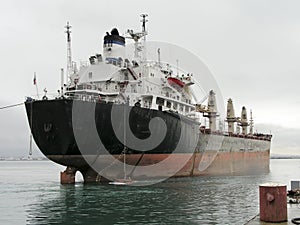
point(173, 81)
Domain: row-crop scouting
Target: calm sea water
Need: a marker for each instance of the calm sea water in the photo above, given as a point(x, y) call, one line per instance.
point(30, 193)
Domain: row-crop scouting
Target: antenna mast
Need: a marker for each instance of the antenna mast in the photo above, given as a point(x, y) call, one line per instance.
point(144, 25)
point(251, 123)
point(158, 53)
point(136, 36)
point(69, 55)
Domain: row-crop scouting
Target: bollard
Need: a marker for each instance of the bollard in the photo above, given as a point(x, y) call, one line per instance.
point(272, 202)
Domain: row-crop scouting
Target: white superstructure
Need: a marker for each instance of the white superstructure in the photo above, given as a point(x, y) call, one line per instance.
point(112, 77)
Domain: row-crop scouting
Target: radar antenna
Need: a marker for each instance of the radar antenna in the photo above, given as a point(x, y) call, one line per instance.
point(136, 36)
point(69, 55)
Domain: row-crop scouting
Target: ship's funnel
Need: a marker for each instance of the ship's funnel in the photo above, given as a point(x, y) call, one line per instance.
point(113, 47)
point(230, 116)
point(244, 120)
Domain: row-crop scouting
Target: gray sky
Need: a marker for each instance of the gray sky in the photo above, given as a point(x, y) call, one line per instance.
point(251, 46)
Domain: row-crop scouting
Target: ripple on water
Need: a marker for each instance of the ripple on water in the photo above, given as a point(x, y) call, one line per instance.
point(199, 200)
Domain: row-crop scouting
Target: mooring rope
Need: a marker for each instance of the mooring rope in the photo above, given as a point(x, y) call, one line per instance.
point(10, 106)
point(30, 138)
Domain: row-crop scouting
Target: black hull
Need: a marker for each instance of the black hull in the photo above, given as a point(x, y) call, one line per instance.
point(53, 131)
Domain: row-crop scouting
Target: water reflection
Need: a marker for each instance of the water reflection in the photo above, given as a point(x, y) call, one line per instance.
point(205, 200)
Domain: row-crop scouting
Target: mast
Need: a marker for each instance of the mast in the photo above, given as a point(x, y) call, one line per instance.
point(212, 110)
point(251, 123)
point(136, 36)
point(231, 119)
point(62, 82)
point(158, 55)
point(144, 25)
point(69, 54)
point(244, 121)
point(144, 33)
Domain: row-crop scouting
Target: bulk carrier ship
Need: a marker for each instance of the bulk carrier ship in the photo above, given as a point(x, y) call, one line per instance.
point(141, 115)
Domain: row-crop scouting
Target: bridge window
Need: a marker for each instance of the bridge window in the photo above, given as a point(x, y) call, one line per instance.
point(168, 104)
point(159, 101)
point(175, 106)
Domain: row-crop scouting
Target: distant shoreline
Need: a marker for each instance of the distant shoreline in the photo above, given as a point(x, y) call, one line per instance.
point(23, 159)
point(285, 157)
point(275, 156)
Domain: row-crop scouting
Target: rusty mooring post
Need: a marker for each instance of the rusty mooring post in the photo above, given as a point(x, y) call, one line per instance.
point(68, 176)
point(272, 202)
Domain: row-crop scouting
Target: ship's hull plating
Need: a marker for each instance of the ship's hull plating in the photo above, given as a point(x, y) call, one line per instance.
point(52, 127)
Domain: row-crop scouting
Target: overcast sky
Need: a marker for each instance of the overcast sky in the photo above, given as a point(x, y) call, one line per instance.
point(252, 47)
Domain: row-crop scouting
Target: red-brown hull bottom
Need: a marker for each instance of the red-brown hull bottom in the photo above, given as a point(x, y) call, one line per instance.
point(198, 164)
point(209, 163)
